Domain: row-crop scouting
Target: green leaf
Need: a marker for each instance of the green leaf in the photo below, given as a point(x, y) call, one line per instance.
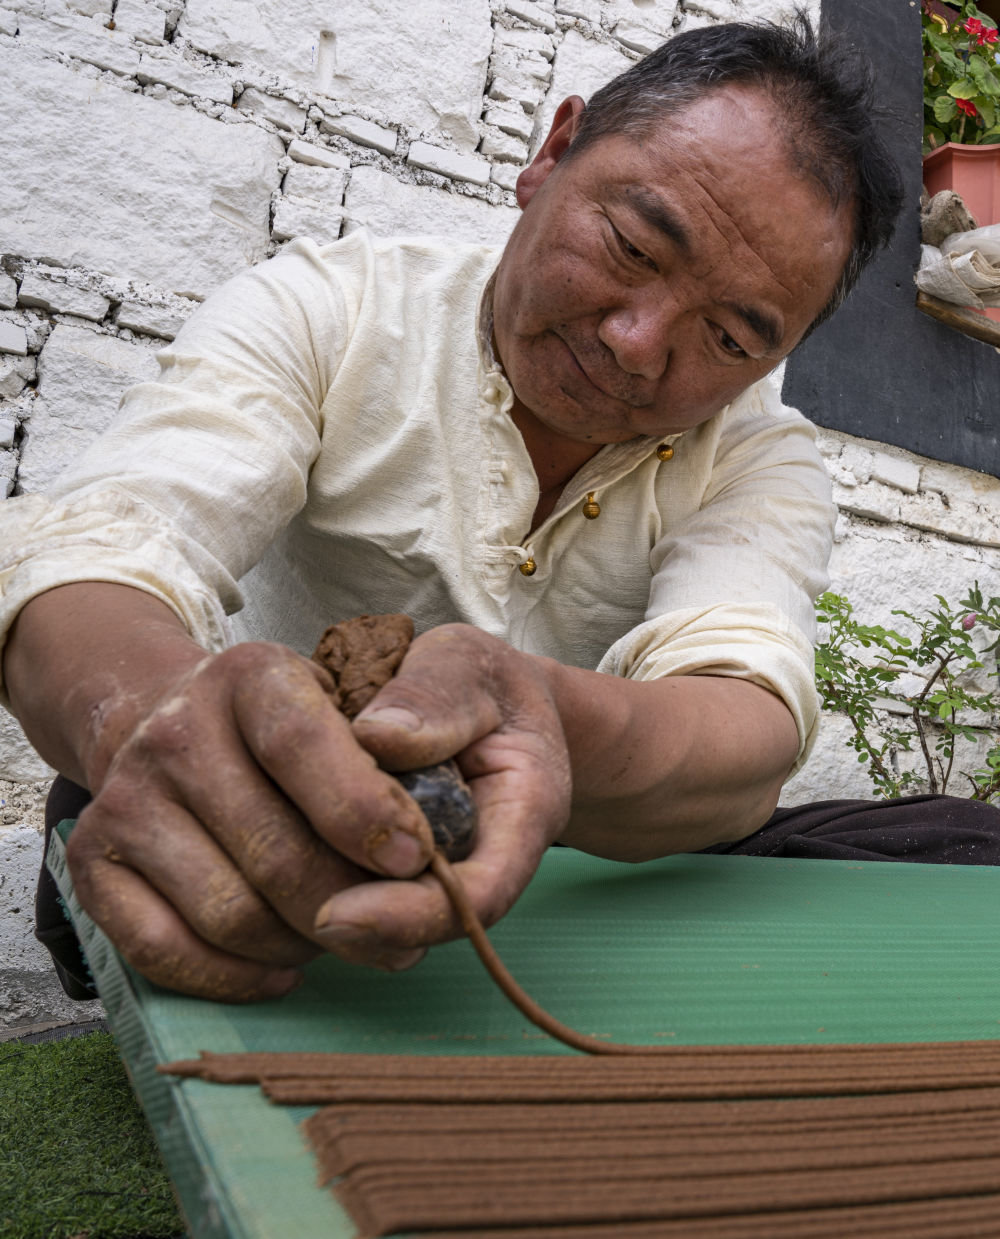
point(945, 109)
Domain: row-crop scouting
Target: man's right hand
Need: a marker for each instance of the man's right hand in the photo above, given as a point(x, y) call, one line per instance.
point(207, 852)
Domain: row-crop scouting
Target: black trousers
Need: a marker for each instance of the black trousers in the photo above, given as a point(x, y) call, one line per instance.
point(943, 830)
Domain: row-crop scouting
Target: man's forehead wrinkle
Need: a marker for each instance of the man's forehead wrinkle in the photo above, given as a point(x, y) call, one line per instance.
point(656, 213)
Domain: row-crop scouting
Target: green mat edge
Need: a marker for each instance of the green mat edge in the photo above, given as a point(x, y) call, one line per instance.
point(200, 1196)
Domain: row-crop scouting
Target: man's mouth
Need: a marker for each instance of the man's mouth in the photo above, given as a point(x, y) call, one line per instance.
point(619, 389)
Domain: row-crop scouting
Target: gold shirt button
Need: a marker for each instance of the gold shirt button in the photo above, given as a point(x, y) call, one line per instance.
point(528, 568)
point(665, 451)
point(591, 509)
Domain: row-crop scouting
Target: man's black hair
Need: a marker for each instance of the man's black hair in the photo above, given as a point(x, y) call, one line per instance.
point(824, 90)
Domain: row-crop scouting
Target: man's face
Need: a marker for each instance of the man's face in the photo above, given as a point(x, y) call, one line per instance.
point(650, 281)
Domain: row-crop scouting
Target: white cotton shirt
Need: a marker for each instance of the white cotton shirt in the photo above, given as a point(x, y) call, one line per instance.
point(330, 436)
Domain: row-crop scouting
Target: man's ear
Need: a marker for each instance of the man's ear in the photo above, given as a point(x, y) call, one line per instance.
point(561, 134)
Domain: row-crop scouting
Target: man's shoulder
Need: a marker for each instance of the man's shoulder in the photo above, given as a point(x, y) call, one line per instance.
point(405, 254)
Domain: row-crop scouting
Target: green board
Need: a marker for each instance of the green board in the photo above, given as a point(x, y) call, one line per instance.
point(688, 950)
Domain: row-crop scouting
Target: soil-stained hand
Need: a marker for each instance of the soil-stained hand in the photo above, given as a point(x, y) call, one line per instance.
point(460, 692)
point(236, 808)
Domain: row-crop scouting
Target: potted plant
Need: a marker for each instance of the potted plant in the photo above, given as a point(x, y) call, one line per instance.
point(962, 106)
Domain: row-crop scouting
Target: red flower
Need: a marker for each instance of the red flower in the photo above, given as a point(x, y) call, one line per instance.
point(965, 106)
point(973, 25)
point(989, 35)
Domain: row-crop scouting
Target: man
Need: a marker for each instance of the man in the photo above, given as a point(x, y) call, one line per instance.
point(557, 458)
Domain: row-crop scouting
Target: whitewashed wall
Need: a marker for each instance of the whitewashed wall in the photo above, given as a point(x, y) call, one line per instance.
point(152, 149)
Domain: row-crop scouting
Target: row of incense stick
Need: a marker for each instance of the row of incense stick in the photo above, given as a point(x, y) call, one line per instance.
point(727, 1142)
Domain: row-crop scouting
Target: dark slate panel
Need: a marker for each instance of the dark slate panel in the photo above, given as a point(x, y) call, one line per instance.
point(880, 368)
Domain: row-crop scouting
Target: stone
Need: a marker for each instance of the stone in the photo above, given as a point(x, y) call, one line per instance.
point(654, 15)
point(533, 14)
point(15, 374)
point(177, 73)
point(364, 132)
point(499, 145)
point(893, 471)
point(150, 320)
point(321, 156)
point(90, 8)
point(8, 471)
point(304, 217)
point(589, 10)
point(856, 460)
point(637, 37)
point(449, 163)
point(8, 292)
point(8, 22)
point(83, 38)
point(505, 175)
point(872, 501)
point(82, 375)
point(324, 185)
point(377, 53)
point(142, 21)
point(18, 760)
point(526, 41)
point(515, 86)
point(510, 119)
point(7, 424)
point(581, 66)
point(61, 298)
point(389, 207)
point(62, 177)
point(13, 338)
point(280, 112)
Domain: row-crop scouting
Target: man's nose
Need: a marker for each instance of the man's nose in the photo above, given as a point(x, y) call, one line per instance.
point(639, 333)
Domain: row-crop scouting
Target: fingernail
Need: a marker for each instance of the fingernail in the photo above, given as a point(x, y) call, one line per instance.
point(391, 716)
point(342, 933)
point(399, 854)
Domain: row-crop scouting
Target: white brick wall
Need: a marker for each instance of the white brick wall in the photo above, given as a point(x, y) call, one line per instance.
point(152, 150)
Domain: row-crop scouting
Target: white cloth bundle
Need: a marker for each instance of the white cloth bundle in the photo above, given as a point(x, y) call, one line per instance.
point(964, 269)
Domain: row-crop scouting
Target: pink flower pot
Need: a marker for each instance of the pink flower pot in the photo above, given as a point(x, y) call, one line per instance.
point(973, 172)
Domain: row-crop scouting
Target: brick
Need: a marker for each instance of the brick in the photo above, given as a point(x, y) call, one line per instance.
point(871, 501)
point(8, 292)
point(281, 112)
point(150, 320)
point(321, 156)
point(61, 298)
point(514, 86)
point(176, 73)
point(70, 195)
point(84, 38)
point(511, 119)
point(959, 522)
point(902, 474)
point(526, 41)
point(82, 375)
point(589, 10)
point(15, 374)
point(534, 14)
point(638, 37)
point(304, 217)
point(505, 175)
point(387, 206)
point(13, 338)
point(449, 163)
point(364, 132)
point(422, 64)
point(90, 8)
point(857, 461)
point(141, 20)
point(658, 15)
point(324, 185)
point(499, 145)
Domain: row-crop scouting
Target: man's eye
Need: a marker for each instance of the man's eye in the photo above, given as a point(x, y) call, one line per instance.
point(729, 345)
point(633, 251)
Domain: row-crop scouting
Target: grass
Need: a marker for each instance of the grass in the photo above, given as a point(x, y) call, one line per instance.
point(77, 1160)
